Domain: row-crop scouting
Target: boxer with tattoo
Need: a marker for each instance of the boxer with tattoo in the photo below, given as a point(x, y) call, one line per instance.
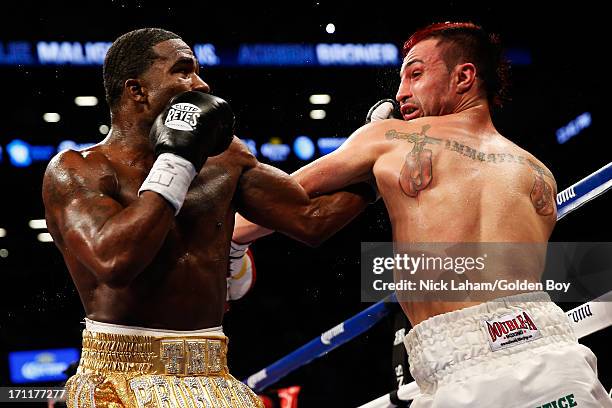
point(447, 175)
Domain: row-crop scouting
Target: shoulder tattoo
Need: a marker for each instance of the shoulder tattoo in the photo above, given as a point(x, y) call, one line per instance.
point(541, 191)
point(416, 173)
point(417, 170)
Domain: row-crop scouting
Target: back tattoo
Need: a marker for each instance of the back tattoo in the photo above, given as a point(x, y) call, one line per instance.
point(416, 173)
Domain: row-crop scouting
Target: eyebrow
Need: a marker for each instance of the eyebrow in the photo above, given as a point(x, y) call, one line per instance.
point(411, 62)
point(187, 60)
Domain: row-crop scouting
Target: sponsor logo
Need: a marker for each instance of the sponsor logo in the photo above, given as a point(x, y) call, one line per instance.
point(565, 195)
point(581, 313)
point(40, 365)
point(511, 330)
point(182, 116)
point(329, 335)
point(275, 152)
point(44, 366)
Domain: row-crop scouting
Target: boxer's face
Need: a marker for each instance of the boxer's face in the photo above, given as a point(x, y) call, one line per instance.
point(176, 70)
point(425, 88)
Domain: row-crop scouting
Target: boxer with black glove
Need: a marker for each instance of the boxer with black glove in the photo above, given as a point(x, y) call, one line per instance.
point(146, 277)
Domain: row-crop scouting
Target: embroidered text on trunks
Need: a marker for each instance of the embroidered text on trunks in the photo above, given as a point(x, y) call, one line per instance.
point(191, 357)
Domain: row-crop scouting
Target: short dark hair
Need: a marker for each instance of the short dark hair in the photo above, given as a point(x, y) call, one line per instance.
point(470, 43)
point(130, 55)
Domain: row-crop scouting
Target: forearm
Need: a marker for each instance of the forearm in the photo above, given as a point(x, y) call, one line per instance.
point(314, 222)
point(246, 231)
point(308, 220)
point(271, 198)
point(330, 213)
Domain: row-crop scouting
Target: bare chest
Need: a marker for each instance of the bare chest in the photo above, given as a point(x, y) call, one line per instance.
point(210, 193)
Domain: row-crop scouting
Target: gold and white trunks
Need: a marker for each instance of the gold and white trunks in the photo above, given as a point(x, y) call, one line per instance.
point(125, 366)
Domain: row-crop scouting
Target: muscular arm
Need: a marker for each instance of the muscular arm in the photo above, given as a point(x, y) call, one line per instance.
point(350, 164)
point(113, 242)
point(271, 198)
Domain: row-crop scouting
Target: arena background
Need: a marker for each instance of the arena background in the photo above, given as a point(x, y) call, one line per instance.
point(559, 74)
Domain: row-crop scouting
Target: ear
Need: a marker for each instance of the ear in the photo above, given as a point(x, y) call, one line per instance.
point(465, 75)
point(135, 90)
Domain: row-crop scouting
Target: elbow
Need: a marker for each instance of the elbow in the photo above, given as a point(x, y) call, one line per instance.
point(109, 262)
point(314, 227)
point(313, 242)
point(310, 234)
point(117, 264)
point(115, 272)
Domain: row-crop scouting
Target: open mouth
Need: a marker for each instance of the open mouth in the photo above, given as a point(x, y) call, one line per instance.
point(410, 112)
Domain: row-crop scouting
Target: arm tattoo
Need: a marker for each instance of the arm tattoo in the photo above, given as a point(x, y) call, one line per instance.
point(541, 192)
point(416, 173)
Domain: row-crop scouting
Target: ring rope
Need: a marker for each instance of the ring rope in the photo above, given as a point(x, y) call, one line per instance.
point(568, 200)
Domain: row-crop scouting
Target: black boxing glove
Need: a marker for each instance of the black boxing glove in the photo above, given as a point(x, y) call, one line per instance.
point(193, 127)
point(384, 109)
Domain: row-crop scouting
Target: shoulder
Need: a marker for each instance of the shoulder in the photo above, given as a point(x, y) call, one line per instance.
point(390, 129)
point(91, 157)
point(64, 159)
point(538, 165)
point(540, 168)
point(88, 159)
point(530, 167)
point(70, 169)
point(61, 166)
point(372, 136)
point(533, 162)
point(377, 130)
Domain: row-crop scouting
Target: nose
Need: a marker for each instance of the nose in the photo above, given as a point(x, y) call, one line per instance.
point(199, 85)
point(403, 92)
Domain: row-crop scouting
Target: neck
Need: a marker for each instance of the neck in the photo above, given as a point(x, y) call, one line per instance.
point(476, 110)
point(469, 101)
point(130, 136)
